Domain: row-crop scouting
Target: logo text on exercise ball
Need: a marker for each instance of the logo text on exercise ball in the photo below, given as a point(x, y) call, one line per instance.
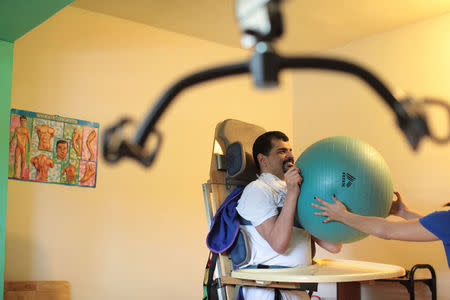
point(347, 177)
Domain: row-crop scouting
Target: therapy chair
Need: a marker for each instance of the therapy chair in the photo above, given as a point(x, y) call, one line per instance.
point(232, 165)
point(224, 179)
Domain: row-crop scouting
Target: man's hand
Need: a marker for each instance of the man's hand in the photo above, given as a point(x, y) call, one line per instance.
point(293, 178)
point(335, 211)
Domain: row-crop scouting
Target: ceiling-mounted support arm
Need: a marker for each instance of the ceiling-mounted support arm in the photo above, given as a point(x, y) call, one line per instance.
point(261, 23)
point(265, 67)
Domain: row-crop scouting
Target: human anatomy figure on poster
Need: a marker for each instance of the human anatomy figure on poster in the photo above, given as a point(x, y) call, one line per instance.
point(22, 136)
point(45, 133)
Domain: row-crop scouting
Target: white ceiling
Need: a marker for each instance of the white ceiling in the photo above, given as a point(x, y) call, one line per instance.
point(310, 25)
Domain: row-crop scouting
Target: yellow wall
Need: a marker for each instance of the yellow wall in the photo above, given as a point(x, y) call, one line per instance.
point(140, 234)
point(417, 59)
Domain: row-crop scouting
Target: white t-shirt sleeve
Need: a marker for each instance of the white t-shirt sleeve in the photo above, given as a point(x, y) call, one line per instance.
point(256, 204)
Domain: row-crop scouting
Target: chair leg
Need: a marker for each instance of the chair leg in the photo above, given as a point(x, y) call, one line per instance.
point(431, 283)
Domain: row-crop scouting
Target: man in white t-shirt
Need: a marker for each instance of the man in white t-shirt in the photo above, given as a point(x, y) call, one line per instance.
point(274, 241)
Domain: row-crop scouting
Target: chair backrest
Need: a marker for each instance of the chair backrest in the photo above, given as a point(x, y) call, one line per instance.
point(232, 165)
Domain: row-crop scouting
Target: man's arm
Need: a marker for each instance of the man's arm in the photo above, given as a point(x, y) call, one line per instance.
point(410, 230)
point(76, 141)
point(29, 139)
point(14, 137)
point(277, 230)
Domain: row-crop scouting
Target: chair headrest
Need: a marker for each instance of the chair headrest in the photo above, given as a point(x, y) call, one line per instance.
point(235, 158)
point(237, 138)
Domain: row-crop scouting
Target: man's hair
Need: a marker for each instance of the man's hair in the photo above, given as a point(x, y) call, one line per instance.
point(448, 204)
point(61, 142)
point(263, 144)
point(22, 118)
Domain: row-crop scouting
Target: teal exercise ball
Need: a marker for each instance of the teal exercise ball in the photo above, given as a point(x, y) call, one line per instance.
point(352, 170)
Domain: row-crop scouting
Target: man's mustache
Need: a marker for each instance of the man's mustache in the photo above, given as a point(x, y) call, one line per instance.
point(291, 160)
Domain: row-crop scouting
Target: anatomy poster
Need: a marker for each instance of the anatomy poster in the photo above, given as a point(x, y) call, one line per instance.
point(53, 149)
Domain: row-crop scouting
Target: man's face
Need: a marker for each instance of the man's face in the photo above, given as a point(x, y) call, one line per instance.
point(280, 158)
point(61, 151)
point(23, 122)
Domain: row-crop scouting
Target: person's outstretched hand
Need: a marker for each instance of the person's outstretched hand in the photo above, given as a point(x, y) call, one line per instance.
point(398, 207)
point(334, 211)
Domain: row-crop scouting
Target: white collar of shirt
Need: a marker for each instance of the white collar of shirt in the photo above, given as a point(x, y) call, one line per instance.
point(277, 186)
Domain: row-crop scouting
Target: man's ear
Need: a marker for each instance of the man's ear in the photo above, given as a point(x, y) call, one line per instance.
point(261, 160)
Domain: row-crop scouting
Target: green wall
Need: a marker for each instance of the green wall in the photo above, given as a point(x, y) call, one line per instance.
point(6, 61)
point(17, 17)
